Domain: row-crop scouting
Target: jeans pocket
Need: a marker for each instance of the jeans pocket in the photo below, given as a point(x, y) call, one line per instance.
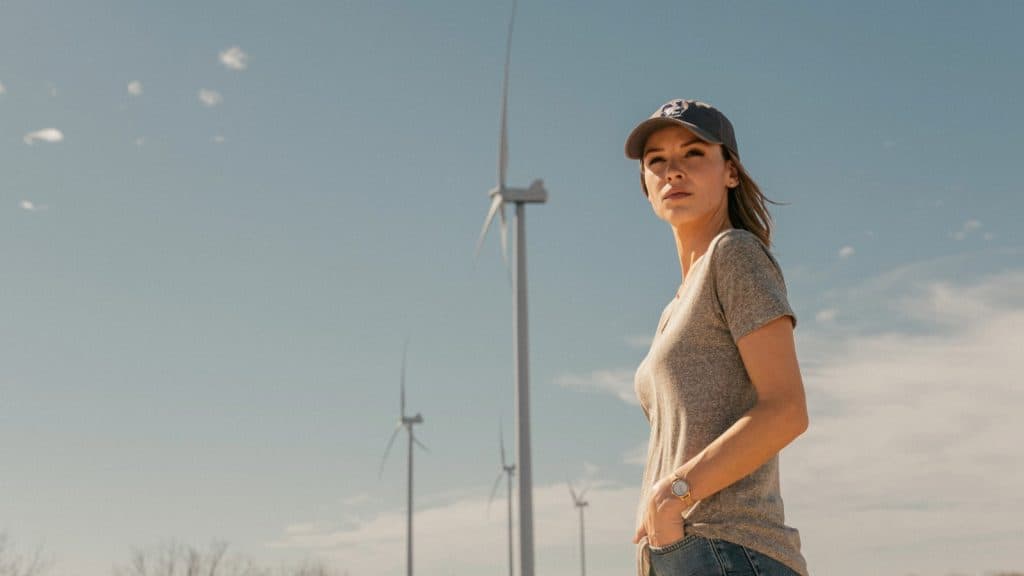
point(673, 546)
point(734, 559)
point(691, 556)
point(768, 566)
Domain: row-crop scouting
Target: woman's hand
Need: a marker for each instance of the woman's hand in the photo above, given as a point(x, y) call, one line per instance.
point(663, 518)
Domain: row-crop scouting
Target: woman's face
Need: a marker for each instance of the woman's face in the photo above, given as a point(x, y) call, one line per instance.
point(687, 179)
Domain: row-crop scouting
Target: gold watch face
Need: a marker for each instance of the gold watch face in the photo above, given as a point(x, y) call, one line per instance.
point(680, 488)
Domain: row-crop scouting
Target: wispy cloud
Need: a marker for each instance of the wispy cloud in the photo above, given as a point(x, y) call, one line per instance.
point(51, 135)
point(210, 98)
point(29, 206)
point(460, 537)
point(3, 89)
point(826, 315)
point(135, 88)
point(968, 227)
point(846, 252)
point(617, 382)
point(234, 58)
point(914, 427)
point(218, 139)
point(913, 420)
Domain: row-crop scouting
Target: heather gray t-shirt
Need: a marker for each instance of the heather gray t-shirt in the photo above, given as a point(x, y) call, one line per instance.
point(693, 386)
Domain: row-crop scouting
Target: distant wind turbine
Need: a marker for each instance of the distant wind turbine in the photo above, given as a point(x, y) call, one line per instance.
point(520, 196)
point(506, 470)
point(580, 503)
point(407, 422)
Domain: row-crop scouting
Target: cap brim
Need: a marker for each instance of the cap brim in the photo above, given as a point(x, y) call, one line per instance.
point(638, 137)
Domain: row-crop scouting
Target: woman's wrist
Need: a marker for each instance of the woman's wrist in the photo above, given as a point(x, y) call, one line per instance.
point(681, 488)
point(666, 539)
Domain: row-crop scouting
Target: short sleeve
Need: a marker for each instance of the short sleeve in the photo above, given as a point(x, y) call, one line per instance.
point(748, 283)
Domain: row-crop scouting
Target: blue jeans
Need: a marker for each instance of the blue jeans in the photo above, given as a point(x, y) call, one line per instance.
point(699, 556)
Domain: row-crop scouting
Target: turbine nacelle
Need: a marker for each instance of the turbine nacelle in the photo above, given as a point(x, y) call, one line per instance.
point(535, 194)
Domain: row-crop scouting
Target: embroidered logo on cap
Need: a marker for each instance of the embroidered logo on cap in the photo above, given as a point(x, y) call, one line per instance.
point(676, 108)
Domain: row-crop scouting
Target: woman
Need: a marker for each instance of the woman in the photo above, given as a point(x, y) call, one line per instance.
point(720, 385)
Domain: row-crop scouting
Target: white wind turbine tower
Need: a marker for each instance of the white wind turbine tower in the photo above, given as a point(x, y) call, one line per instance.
point(506, 470)
point(407, 422)
point(520, 196)
point(580, 503)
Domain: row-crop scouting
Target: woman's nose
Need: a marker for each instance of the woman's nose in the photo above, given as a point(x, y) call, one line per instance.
point(673, 169)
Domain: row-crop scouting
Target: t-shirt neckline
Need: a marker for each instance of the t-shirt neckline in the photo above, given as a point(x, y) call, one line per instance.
point(700, 260)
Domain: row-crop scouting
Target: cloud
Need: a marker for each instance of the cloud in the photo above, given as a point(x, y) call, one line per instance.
point(911, 463)
point(29, 206)
point(135, 88)
point(826, 315)
point(914, 405)
point(218, 139)
point(51, 135)
point(913, 427)
point(460, 537)
point(210, 98)
point(234, 58)
point(846, 252)
point(968, 227)
point(3, 89)
point(617, 382)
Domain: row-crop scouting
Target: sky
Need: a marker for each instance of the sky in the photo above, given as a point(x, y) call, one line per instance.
point(219, 222)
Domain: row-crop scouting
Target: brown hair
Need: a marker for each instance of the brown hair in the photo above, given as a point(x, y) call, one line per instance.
point(748, 208)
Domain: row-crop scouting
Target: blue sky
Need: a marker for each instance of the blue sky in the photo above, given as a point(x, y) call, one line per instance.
point(205, 296)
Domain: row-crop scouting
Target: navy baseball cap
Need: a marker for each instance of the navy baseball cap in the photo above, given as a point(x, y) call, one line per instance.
point(702, 119)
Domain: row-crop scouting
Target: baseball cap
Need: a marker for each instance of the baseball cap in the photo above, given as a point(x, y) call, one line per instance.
point(702, 119)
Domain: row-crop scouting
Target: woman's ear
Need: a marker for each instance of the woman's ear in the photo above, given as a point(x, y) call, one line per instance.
point(733, 179)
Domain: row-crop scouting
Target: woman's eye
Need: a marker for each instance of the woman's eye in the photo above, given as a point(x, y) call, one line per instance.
point(655, 160)
point(694, 152)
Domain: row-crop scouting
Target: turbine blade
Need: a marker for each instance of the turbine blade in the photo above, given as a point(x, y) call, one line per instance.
point(494, 491)
point(503, 141)
point(380, 473)
point(501, 442)
point(572, 492)
point(405, 348)
point(496, 203)
point(504, 239)
point(584, 492)
point(420, 444)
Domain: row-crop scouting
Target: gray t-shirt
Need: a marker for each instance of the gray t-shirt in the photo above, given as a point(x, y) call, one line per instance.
point(693, 386)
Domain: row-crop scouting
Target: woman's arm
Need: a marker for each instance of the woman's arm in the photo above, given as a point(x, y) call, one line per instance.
point(780, 415)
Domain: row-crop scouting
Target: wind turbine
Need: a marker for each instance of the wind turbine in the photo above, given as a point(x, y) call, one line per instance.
point(506, 470)
point(520, 197)
point(407, 422)
point(581, 504)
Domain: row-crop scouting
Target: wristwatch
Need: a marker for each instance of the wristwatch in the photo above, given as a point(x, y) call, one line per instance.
point(681, 490)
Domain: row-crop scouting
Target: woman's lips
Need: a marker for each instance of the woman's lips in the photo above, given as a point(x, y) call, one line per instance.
point(677, 194)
